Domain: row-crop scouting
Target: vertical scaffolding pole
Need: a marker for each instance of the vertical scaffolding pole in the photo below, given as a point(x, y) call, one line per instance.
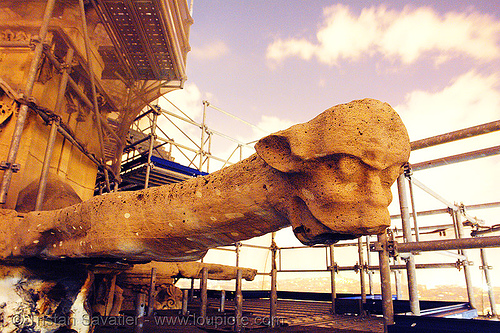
point(368, 262)
point(457, 221)
point(361, 277)
point(274, 290)
point(203, 292)
point(111, 296)
point(332, 277)
point(152, 139)
point(95, 105)
point(385, 282)
point(191, 291)
point(55, 123)
point(202, 143)
point(411, 270)
point(238, 249)
point(238, 303)
point(222, 306)
point(66, 69)
point(10, 165)
point(140, 305)
point(414, 210)
point(397, 279)
point(486, 269)
point(185, 298)
point(210, 134)
point(42, 184)
point(152, 291)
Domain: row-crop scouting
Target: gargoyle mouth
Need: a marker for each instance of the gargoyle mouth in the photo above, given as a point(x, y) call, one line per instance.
point(323, 238)
point(330, 238)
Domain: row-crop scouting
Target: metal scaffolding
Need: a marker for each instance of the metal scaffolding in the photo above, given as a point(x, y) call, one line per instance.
point(148, 141)
point(162, 31)
point(142, 150)
point(387, 246)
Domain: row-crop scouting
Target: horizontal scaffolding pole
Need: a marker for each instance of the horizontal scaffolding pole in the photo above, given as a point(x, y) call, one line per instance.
point(397, 267)
point(456, 158)
point(449, 244)
point(456, 135)
point(237, 118)
point(447, 210)
point(256, 246)
point(369, 268)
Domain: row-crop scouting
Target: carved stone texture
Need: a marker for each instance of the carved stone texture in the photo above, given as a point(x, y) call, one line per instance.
point(42, 296)
point(168, 297)
point(167, 271)
point(59, 194)
point(329, 178)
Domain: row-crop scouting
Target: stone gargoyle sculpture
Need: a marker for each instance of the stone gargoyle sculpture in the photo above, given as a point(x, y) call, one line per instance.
point(329, 178)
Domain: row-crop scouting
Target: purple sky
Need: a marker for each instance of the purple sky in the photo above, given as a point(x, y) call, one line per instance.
point(276, 63)
point(246, 55)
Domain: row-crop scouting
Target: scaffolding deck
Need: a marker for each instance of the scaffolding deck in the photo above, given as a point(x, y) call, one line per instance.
point(308, 315)
point(163, 172)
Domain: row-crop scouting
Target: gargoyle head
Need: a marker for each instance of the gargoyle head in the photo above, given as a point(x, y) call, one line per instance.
point(341, 166)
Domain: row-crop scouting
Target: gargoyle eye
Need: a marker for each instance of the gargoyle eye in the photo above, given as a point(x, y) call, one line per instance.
point(349, 166)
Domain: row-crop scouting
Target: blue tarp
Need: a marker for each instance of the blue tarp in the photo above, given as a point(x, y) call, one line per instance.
point(169, 165)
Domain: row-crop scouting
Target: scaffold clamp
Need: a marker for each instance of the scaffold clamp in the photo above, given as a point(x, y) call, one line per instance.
point(15, 167)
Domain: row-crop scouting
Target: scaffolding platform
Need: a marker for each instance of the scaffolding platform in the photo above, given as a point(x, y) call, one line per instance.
point(309, 312)
point(162, 172)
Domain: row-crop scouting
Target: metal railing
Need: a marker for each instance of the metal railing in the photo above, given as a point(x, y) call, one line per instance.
point(195, 152)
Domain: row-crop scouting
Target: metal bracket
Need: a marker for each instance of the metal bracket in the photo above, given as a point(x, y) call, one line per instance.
point(462, 263)
point(407, 171)
point(26, 100)
point(15, 167)
point(391, 247)
point(35, 40)
point(376, 247)
point(484, 268)
point(156, 109)
point(335, 268)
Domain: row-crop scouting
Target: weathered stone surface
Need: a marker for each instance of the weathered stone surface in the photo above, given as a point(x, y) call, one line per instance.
point(58, 195)
point(329, 178)
point(167, 271)
point(44, 297)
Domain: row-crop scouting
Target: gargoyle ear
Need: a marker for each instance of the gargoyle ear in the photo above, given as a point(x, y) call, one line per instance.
point(275, 149)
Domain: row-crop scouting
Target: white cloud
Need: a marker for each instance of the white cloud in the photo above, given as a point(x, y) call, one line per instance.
point(211, 51)
point(469, 100)
point(273, 124)
point(406, 35)
point(189, 100)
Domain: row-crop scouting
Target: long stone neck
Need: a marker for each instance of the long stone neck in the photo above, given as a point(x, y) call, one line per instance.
point(168, 222)
point(238, 201)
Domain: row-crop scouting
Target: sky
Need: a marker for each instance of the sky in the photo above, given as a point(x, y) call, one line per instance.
point(277, 63)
